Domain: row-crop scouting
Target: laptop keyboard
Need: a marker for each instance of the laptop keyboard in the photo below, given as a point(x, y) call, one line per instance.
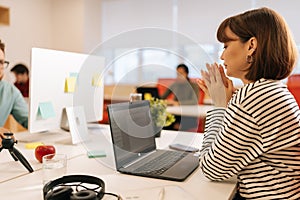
point(162, 163)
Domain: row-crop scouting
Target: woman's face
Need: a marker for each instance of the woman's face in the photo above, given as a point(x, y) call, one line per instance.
point(234, 56)
point(21, 78)
point(181, 74)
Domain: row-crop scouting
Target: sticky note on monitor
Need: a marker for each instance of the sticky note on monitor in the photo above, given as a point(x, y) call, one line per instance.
point(73, 74)
point(45, 110)
point(70, 84)
point(97, 80)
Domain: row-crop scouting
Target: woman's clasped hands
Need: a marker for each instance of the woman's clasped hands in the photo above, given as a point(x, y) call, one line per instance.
point(216, 84)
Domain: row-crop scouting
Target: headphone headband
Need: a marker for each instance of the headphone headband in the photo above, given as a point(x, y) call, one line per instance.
point(75, 178)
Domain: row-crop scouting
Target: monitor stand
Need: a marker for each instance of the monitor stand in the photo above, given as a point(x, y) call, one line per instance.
point(73, 129)
point(64, 123)
point(94, 125)
point(73, 119)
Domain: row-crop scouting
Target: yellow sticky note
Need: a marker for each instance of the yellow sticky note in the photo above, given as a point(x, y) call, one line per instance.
point(147, 96)
point(97, 80)
point(70, 84)
point(45, 110)
point(33, 145)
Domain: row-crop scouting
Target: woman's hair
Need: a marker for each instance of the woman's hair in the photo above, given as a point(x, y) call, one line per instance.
point(185, 68)
point(2, 46)
point(276, 53)
point(20, 69)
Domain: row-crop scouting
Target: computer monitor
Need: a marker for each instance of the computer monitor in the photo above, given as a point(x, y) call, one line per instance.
point(151, 91)
point(60, 79)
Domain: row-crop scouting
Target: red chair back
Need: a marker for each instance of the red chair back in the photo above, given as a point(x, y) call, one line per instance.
point(163, 84)
point(293, 84)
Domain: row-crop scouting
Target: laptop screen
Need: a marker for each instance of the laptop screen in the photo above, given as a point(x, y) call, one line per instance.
point(132, 131)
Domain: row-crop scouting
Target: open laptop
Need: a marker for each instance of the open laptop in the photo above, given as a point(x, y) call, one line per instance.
point(134, 145)
point(152, 91)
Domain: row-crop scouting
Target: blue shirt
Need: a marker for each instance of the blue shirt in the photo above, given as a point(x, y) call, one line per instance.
point(12, 102)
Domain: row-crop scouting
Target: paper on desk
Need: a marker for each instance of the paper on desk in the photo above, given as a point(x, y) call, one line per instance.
point(169, 192)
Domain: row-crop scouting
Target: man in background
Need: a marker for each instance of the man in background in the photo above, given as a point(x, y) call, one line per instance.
point(21, 73)
point(11, 99)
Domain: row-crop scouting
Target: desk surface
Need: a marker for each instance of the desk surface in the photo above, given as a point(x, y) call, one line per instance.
point(190, 110)
point(19, 184)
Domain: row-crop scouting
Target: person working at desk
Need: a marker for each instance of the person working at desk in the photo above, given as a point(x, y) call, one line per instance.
point(11, 99)
point(185, 93)
point(21, 73)
point(253, 132)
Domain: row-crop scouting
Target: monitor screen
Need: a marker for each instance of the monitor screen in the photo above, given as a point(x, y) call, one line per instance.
point(148, 92)
point(60, 79)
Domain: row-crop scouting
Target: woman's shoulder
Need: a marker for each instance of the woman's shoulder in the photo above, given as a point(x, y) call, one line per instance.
point(259, 89)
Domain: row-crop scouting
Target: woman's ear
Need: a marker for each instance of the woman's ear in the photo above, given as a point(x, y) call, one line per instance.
point(252, 45)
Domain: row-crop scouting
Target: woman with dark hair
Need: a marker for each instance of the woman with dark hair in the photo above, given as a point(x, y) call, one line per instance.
point(185, 92)
point(21, 73)
point(253, 132)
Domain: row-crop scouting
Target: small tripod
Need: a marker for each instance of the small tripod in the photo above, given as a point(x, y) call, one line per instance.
point(8, 143)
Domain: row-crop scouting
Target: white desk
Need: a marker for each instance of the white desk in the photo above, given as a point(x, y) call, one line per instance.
point(190, 110)
point(23, 185)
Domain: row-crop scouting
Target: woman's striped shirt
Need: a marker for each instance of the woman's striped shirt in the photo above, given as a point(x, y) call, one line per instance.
point(257, 138)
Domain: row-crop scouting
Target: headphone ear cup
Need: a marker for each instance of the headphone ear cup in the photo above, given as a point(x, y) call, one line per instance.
point(59, 189)
point(84, 195)
point(61, 193)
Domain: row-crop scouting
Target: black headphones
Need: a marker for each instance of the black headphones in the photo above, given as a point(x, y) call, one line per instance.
point(61, 188)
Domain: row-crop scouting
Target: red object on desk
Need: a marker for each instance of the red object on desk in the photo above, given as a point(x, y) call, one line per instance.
point(43, 150)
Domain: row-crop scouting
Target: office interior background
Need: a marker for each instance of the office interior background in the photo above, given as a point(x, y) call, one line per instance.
point(83, 25)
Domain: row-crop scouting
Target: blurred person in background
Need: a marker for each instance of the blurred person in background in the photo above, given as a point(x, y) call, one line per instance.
point(21, 73)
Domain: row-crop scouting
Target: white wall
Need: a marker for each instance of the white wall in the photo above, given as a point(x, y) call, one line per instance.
point(127, 15)
point(69, 25)
point(80, 25)
point(30, 25)
point(198, 19)
point(92, 25)
point(76, 25)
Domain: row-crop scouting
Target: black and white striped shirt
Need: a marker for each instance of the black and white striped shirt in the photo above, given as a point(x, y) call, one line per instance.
point(257, 138)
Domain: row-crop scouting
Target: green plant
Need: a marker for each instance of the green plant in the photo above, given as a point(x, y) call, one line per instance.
point(160, 116)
